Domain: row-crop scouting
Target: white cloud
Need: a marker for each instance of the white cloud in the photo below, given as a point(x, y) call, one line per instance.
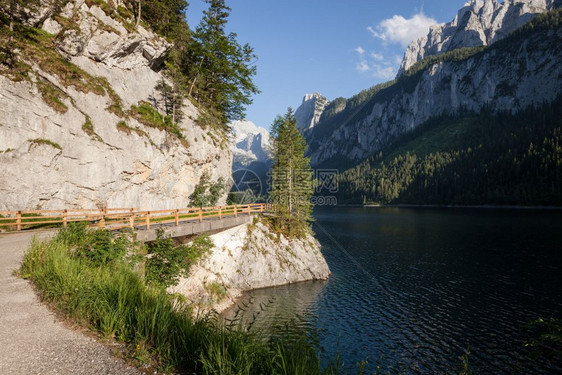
point(360, 50)
point(362, 65)
point(377, 64)
point(385, 72)
point(398, 29)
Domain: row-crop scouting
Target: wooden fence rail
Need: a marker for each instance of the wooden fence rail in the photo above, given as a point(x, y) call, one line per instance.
point(118, 218)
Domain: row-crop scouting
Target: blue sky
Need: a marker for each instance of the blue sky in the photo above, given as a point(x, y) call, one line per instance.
point(335, 47)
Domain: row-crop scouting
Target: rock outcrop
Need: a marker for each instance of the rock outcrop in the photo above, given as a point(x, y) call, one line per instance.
point(309, 112)
point(478, 23)
point(519, 71)
point(249, 257)
point(69, 134)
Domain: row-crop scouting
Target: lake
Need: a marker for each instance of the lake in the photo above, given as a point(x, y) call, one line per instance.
point(413, 288)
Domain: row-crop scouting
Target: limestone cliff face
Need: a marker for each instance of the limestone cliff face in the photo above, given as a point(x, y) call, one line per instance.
point(249, 257)
point(509, 75)
point(309, 112)
point(72, 141)
point(478, 23)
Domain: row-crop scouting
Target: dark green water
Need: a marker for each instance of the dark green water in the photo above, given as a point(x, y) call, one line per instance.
point(412, 288)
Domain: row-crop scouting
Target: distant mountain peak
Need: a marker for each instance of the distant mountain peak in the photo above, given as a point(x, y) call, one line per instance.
point(309, 112)
point(249, 144)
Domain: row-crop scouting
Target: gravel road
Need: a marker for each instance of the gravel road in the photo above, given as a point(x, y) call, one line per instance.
point(32, 339)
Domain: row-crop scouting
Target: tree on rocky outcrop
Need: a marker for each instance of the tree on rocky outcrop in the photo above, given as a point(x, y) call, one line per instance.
point(220, 69)
point(290, 177)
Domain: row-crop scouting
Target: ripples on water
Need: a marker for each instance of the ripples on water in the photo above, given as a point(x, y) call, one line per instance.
point(426, 285)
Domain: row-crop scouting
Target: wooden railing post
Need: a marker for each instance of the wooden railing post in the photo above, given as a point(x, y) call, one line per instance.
point(177, 217)
point(18, 220)
point(200, 214)
point(220, 213)
point(147, 220)
point(131, 218)
point(65, 218)
point(101, 224)
point(235, 210)
point(249, 210)
point(261, 207)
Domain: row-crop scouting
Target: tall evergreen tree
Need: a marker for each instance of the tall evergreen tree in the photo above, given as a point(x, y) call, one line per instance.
point(291, 176)
point(221, 70)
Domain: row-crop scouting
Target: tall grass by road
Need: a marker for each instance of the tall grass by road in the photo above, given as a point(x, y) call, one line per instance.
point(108, 293)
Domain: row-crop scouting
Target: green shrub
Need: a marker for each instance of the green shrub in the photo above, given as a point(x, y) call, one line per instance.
point(167, 262)
point(97, 246)
point(149, 116)
point(207, 193)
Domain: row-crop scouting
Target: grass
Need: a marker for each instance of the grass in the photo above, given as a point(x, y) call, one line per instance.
point(88, 128)
point(114, 301)
point(43, 141)
point(52, 95)
point(149, 116)
point(122, 126)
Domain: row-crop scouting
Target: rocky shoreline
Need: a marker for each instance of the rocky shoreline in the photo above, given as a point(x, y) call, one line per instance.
point(249, 257)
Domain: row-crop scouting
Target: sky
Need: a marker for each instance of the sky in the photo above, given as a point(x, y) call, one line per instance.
point(334, 47)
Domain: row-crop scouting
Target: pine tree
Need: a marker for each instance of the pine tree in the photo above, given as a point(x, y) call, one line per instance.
point(291, 177)
point(221, 70)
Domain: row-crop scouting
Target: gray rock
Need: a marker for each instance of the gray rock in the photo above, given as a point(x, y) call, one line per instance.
point(478, 23)
point(249, 257)
point(146, 168)
point(309, 112)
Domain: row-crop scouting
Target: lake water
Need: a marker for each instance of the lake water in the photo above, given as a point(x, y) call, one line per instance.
point(413, 288)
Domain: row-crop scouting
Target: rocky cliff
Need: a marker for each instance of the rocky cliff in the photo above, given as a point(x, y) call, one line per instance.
point(82, 121)
point(249, 257)
point(309, 112)
point(520, 70)
point(478, 23)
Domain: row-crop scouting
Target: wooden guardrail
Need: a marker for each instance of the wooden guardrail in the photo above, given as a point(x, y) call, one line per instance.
point(118, 218)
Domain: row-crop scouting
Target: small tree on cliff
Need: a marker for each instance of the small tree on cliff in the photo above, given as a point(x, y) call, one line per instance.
point(290, 177)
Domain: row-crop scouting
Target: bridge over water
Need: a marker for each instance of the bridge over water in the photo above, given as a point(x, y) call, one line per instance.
point(174, 222)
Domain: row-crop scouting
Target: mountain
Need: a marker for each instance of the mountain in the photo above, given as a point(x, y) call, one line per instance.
point(249, 144)
point(309, 112)
point(251, 161)
point(83, 119)
point(478, 23)
point(509, 75)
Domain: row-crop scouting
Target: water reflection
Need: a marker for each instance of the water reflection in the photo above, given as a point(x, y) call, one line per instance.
point(268, 310)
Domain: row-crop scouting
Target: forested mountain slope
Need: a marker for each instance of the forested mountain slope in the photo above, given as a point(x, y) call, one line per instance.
point(470, 159)
point(520, 70)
